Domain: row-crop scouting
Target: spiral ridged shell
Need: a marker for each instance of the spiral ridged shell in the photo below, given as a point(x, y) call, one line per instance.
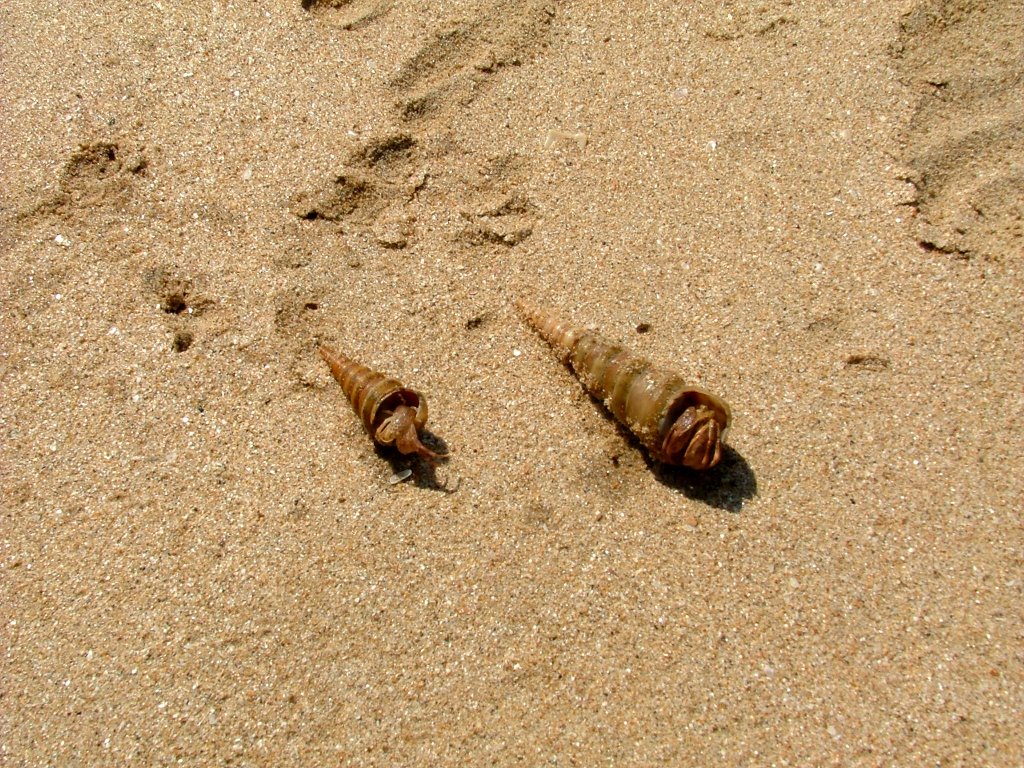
point(678, 423)
point(392, 414)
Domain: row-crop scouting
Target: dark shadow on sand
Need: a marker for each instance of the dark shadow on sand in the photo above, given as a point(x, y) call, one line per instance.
point(726, 486)
point(424, 471)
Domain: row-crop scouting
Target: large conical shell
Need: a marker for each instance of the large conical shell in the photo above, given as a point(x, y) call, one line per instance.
point(678, 423)
point(392, 414)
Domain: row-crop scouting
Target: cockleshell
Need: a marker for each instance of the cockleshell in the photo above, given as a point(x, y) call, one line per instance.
point(678, 423)
point(392, 414)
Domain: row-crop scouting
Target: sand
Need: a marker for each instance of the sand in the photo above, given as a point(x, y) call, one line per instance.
point(812, 209)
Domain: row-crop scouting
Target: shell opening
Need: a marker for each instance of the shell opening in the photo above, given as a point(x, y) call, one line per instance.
point(401, 397)
point(692, 430)
point(399, 428)
point(691, 398)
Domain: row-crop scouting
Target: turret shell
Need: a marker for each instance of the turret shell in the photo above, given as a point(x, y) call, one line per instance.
point(677, 422)
point(376, 399)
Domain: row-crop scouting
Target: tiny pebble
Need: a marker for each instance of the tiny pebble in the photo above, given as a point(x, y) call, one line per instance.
point(61, 240)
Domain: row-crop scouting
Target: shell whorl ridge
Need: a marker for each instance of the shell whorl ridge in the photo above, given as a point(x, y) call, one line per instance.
point(391, 413)
point(678, 423)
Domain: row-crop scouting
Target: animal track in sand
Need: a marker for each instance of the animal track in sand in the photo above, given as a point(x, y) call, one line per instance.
point(347, 14)
point(375, 177)
point(964, 148)
point(734, 20)
point(448, 70)
point(178, 298)
point(378, 180)
point(387, 173)
point(506, 221)
point(97, 174)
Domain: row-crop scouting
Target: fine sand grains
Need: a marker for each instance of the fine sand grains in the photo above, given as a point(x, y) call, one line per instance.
point(810, 208)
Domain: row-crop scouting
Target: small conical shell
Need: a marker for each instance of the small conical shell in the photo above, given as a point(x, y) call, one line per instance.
point(392, 414)
point(678, 423)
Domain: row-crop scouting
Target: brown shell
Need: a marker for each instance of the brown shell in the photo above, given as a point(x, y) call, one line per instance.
point(678, 423)
point(392, 414)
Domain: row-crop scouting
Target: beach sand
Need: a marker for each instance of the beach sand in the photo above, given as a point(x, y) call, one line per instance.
point(812, 209)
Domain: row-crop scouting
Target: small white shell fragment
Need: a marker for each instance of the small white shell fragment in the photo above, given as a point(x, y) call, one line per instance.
point(398, 477)
point(62, 241)
point(554, 136)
